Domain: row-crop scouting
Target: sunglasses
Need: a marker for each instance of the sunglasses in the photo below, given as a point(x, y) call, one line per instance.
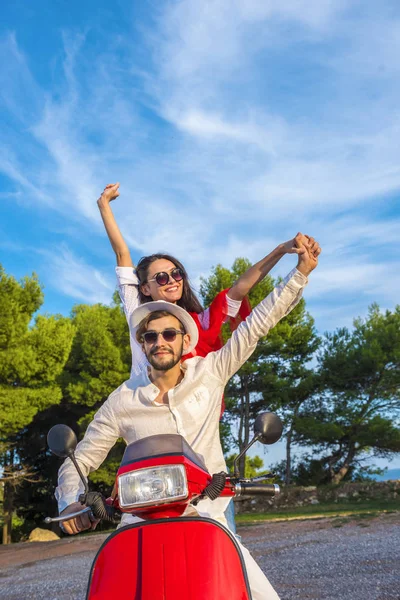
point(169, 335)
point(162, 278)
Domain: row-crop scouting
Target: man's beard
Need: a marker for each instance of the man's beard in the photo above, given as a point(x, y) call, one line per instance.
point(166, 365)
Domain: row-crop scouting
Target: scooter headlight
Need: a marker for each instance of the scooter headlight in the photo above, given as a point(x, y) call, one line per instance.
point(152, 486)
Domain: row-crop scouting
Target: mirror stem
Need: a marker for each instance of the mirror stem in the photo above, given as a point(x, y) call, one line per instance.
point(77, 467)
point(239, 456)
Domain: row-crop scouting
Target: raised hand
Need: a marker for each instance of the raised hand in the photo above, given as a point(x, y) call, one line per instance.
point(313, 246)
point(309, 251)
point(110, 192)
point(297, 244)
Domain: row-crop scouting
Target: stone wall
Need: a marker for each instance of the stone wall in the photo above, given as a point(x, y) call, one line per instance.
point(292, 496)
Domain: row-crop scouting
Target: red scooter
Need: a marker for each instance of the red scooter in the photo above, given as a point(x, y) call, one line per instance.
point(167, 556)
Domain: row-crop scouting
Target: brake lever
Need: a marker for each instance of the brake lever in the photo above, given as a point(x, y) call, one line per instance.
point(70, 516)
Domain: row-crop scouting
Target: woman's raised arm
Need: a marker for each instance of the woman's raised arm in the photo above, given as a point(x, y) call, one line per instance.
point(257, 272)
point(114, 234)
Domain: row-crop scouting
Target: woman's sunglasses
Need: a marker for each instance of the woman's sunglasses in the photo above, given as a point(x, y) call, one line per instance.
point(162, 278)
point(169, 335)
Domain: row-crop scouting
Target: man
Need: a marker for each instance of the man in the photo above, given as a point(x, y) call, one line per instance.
point(180, 398)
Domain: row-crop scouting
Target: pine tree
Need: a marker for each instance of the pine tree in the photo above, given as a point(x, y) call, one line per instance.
point(276, 376)
point(31, 360)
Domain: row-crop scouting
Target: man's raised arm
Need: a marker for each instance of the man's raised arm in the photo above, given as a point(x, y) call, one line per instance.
point(226, 362)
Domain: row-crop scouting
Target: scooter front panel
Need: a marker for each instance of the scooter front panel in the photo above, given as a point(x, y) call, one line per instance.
point(170, 559)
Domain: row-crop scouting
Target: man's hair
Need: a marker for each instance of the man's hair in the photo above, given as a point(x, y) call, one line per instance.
point(157, 314)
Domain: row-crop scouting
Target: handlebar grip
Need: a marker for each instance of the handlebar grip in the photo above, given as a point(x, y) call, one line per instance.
point(100, 509)
point(243, 488)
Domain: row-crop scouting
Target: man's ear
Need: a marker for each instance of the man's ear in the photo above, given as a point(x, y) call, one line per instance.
point(186, 341)
point(145, 289)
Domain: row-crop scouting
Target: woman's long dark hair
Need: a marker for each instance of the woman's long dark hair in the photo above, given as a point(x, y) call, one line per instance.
point(188, 301)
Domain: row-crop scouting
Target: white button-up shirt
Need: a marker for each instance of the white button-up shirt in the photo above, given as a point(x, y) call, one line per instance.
point(193, 408)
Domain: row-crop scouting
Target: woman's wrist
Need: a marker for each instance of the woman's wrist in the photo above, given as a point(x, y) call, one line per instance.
point(103, 205)
point(281, 250)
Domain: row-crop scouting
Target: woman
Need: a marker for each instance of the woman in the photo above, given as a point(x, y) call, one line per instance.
point(163, 277)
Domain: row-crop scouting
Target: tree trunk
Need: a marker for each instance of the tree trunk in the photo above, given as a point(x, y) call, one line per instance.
point(241, 418)
point(7, 512)
point(245, 424)
point(289, 437)
point(337, 477)
point(288, 474)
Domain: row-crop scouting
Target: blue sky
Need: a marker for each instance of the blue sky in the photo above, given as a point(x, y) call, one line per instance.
point(230, 125)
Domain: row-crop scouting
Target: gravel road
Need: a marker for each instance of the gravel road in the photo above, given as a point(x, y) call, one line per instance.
point(326, 559)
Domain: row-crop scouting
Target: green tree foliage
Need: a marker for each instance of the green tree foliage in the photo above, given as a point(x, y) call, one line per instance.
point(253, 465)
point(309, 470)
point(31, 361)
point(357, 415)
point(99, 361)
point(100, 356)
point(55, 369)
point(276, 376)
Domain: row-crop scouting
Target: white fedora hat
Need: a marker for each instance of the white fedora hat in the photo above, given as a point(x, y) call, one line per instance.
point(180, 313)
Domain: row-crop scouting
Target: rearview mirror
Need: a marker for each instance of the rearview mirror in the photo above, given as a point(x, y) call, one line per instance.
point(268, 427)
point(62, 441)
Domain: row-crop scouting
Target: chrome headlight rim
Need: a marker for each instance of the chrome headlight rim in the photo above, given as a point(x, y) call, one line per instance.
point(153, 501)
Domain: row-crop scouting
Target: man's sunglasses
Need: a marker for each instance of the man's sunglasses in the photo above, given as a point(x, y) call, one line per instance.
point(162, 278)
point(169, 335)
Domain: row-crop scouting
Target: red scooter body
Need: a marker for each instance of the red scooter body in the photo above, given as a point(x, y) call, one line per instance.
point(187, 558)
point(165, 557)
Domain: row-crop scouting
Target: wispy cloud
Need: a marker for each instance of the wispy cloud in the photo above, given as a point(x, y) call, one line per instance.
point(75, 278)
point(339, 156)
point(230, 125)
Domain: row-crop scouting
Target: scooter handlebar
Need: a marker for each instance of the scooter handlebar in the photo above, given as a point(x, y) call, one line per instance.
point(97, 509)
point(243, 488)
point(69, 516)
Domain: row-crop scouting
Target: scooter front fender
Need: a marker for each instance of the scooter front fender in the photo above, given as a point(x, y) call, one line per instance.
point(187, 558)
